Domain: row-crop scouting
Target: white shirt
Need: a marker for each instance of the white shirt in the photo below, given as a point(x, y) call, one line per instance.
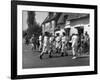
point(64, 39)
point(58, 38)
point(74, 40)
point(45, 41)
point(51, 39)
point(40, 38)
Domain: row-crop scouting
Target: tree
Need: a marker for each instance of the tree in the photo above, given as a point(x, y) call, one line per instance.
point(24, 33)
point(33, 27)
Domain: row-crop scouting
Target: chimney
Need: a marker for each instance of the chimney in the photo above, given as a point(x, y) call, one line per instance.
point(50, 14)
point(65, 17)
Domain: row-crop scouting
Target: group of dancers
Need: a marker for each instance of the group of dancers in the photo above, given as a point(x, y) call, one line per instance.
point(50, 44)
point(53, 44)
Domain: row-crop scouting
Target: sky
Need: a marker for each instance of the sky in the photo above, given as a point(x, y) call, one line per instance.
point(39, 16)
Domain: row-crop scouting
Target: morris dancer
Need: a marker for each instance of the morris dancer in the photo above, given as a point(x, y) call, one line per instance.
point(51, 44)
point(74, 45)
point(40, 42)
point(45, 45)
point(58, 43)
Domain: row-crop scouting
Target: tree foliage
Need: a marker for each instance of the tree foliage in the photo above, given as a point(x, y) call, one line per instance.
point(33, 27)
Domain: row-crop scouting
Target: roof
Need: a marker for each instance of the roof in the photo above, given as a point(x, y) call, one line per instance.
point(70, 16)
point(51, 18)
point(76, 15)
point(45, 19)
point(61, 18)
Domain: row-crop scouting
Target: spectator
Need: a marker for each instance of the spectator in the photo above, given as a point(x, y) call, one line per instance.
point(86, 42)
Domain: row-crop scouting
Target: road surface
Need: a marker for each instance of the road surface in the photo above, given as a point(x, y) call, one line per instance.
point(30, 59)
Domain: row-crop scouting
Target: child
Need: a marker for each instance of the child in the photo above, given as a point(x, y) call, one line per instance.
point(64, 41)
point(58, 43)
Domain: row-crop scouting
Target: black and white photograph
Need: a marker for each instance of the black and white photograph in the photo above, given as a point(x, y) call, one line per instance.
point(53, 40)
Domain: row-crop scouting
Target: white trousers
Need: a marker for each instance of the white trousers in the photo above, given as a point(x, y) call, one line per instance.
point(63, 47)
point(40, 46)
point(44, 49)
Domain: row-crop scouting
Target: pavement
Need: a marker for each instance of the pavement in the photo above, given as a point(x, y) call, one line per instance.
point(31, 59)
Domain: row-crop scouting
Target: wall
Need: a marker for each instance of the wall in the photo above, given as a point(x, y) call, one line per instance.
point(84, 22)
point(52, 26)
point(76, 22)
point(43, 28)
point(5, 41)
point(49, 27)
